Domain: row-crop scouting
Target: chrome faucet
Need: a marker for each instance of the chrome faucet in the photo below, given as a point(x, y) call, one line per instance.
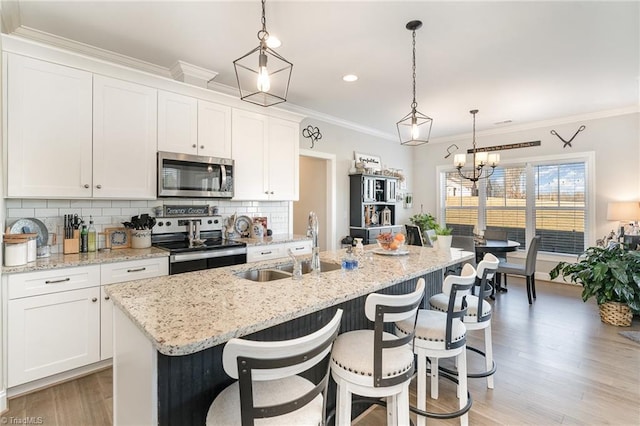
point(312, 232)
point(193, 232)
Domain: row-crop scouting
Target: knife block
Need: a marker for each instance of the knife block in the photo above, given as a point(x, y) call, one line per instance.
point(72, 245)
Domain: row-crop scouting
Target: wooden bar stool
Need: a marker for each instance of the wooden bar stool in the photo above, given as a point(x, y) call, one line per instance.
point(478, 315)
point(442, 335)
point(269, 387)
point(374, 363)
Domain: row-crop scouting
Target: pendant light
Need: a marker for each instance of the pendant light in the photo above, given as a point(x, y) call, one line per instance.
point(480, 160)
point(415, 128)
point(263, 75)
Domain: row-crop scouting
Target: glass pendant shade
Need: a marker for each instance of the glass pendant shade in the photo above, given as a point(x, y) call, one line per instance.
point(263, 75)
point(414, 129)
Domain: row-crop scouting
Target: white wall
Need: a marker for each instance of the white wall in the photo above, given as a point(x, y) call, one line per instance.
point(615, 141)
point(343, 142)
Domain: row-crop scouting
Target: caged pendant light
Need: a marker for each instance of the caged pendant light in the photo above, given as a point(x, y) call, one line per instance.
point(415, 128)
point(263, 75)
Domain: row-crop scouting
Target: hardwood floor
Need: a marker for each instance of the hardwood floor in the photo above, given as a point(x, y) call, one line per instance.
point(557, 364)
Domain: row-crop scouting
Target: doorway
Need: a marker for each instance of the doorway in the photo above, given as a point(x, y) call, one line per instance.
point(318, 194)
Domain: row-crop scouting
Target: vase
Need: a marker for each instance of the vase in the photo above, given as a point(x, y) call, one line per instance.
point(140, 238)
point(444, 242)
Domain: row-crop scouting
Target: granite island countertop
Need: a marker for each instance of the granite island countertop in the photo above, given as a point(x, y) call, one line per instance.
point(274, 239)
point(186, 313)
point(59, 260)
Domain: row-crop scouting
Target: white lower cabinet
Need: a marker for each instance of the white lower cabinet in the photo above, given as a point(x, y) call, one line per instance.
point(274, 251)
point(62, 319)
point(106, 325)
point(52, 333)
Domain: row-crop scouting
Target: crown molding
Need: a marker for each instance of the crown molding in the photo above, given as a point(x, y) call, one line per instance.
point(189, 73)
point(10, 15)
point(632, 109)
point(88, 50)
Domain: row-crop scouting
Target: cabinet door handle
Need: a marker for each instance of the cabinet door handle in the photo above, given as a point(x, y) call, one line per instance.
point(193, 146)
point(57, 281)
point(86, 185)
point(94, 300)
point(201, 146)
point(99, 186)
point(137, 270)
point(271, 193)
point(265, 252)
point(107, 298)
point(299, 248)
point(266, 192)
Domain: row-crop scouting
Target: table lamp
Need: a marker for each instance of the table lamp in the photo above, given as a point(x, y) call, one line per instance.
point(623, 211)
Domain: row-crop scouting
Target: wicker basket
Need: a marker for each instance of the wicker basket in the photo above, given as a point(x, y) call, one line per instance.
point(616, 313)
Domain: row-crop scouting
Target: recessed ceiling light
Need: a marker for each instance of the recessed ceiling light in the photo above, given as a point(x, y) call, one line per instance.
point(350, 78)
point(273, 42)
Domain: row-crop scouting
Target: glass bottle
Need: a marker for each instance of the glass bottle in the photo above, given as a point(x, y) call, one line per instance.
point(92, 236)
point(84, 239)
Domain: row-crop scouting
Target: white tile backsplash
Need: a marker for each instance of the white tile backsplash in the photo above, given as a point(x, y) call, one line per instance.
point(108, 213)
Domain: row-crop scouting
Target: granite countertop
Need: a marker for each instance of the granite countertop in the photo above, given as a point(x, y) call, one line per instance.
point(60, 260)
point(274, 239)
point(186, 313)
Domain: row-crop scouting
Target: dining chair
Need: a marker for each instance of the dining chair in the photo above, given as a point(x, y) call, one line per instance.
point(528, 270)
point(269, 386)
point(495, 234)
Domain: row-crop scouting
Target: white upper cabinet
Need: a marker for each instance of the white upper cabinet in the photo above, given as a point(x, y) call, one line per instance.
point(124, 139)
point(214, 129)
point(192, 126)
point(265, 151)
point(49, 129)
point(177, 123)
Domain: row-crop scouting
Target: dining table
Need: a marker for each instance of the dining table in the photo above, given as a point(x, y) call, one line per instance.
point(498, 248)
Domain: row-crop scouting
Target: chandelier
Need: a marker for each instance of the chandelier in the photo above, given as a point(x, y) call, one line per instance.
point(480, 160)
point(263, 75)
point(414, 128)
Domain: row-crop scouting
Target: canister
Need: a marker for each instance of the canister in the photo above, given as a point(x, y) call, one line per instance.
point(32, 249)
point(15, 253)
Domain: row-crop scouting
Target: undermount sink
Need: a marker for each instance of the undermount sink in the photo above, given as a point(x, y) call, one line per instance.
point(306, 267)
point(264, 275)
point(283, 271)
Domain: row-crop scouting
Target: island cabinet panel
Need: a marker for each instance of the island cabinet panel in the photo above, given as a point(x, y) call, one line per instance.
point(188, 384)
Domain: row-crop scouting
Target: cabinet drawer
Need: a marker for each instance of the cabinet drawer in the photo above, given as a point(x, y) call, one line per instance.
point(299, 247)
point(271, 251)
point(119, 272)
point(52, 281)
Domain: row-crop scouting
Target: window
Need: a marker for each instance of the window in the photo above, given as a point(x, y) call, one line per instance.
point(546, 198)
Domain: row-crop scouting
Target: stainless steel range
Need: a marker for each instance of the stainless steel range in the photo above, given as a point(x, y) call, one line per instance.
point(196, 243)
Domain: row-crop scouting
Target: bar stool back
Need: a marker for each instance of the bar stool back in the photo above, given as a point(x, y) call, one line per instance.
point(268, 386)
point(374, 363)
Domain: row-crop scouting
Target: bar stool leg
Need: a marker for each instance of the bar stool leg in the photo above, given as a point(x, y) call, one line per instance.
point(402, 406)
point(422, 387)
point(488, 355)
point(343, 406)
point(462, 385)
point(392, 410)
point(434, 378)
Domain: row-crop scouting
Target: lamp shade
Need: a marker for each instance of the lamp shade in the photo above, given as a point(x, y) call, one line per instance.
point(623, 211)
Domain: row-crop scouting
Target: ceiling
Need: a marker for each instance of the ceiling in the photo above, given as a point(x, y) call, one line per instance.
point(518, 61)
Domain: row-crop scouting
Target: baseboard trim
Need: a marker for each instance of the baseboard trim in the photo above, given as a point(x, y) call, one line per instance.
point(56, 379)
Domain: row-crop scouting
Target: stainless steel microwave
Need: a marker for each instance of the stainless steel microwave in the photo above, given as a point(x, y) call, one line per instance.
point(194, 176)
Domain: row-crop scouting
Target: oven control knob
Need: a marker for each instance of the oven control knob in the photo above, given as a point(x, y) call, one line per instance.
point(216, 221)
point(160, 223)
point(209, 222)
point(168, 223)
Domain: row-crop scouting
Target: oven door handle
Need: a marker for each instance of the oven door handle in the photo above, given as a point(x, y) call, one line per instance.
point(206, 254)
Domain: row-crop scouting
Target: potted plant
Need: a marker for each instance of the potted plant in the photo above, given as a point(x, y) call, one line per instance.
point(612, 276)
point(425, 221)
point(140, 230)
point(443, 236)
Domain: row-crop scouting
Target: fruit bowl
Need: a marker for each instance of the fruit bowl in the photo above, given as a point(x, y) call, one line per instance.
point(389, 242)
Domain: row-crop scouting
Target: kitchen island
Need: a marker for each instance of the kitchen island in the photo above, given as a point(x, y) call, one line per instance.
point(169, 332)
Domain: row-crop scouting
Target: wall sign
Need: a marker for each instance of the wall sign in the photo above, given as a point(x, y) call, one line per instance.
point(174, 211)
point(504, 147)
point(368, 160)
